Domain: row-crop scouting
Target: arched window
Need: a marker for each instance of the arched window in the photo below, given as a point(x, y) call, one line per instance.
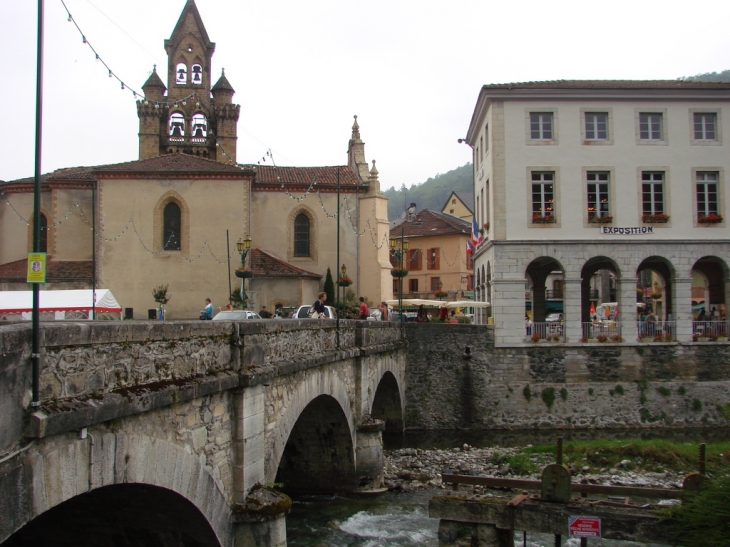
point(181, 74)
point(200, 127)
point(177, 126)
point(172, 225)
point(197, 77)
point(301, 235)
point(43, 247)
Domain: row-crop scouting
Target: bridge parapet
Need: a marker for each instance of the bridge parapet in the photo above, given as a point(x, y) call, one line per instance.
point(97, 371)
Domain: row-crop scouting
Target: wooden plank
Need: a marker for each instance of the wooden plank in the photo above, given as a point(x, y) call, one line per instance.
point(520, 484)
point(625, 523)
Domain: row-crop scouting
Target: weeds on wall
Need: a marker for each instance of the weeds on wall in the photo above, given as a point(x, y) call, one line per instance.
point(527, 393)
point(548, 396)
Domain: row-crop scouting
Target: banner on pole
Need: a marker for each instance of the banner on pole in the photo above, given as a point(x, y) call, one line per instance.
point(36, 268)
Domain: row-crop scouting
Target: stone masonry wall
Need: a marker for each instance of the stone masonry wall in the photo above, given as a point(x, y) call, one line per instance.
point(583, 386)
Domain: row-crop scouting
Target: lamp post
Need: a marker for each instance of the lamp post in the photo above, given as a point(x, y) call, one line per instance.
point(408, 216)
point(343, 275)
point(243, 246)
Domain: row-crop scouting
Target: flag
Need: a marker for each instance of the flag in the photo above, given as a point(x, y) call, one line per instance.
point(476, 237)
point(469, 247)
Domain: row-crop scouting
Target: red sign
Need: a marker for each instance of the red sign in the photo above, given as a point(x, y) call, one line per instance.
point(584, 527)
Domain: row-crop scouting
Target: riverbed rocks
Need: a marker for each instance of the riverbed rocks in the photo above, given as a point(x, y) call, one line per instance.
point(411, 468)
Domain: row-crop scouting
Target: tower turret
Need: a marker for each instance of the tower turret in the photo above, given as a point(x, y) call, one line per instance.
point(183, 117)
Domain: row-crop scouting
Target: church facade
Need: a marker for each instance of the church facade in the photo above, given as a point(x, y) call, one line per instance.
point(173, 217)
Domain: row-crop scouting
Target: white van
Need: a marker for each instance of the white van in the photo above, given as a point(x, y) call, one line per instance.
point(303, 311)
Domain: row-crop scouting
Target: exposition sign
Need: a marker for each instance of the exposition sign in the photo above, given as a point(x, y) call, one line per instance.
point(633, 231)
point(584, 527)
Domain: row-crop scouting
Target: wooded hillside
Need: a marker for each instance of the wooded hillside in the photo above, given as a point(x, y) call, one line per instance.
point(430, 194)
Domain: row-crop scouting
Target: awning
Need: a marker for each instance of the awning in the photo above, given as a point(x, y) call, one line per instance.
point(51, 301)
point(467, 304)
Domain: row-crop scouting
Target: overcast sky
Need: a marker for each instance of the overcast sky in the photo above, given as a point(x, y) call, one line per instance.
point(410, 70)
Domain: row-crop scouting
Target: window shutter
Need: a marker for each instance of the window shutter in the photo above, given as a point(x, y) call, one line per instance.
point(437, 258)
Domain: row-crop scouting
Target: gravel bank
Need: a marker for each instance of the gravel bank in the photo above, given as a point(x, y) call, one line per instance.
point(411, 468)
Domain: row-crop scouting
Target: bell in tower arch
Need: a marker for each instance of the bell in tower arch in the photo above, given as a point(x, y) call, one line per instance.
point(197, 74)
point(181, 76)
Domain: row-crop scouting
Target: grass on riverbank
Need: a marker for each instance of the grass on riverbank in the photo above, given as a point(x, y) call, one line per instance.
point(644, 455)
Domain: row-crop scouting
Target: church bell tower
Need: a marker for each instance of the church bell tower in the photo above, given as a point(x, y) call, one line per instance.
point(191, 115)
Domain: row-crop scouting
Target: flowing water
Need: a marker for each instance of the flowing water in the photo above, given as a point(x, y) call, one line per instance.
point(401, 519)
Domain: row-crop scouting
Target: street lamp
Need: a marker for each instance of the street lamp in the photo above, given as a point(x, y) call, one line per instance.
point(400, 273)
point(243, 246)
point(343, 275)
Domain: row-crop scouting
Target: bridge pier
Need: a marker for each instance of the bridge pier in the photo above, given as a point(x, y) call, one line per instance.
point(369, 453)
point(261, 520)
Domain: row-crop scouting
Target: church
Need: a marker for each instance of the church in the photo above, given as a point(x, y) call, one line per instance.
point(175, 215)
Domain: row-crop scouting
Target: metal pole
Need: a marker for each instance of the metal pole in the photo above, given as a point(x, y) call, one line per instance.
point(337, 299)
point(93, 251)
point(36, 351)
point(228, 251)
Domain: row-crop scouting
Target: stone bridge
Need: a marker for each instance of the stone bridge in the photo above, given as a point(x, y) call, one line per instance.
point(171, 433)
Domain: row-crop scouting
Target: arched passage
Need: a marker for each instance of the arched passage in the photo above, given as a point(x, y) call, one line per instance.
point(655, 275)
point(119, 515)
point(709, 292)
point(319, 454)
point(545, 271)
point(387, 404)
point(599, 284)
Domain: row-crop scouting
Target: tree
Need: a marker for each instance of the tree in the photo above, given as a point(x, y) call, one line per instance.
point(329, 286)
point(161, 295)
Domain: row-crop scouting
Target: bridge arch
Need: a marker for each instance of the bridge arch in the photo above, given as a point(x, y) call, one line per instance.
point(119, 514)
point(386, 392)
point(60, 475)
point(335, 397)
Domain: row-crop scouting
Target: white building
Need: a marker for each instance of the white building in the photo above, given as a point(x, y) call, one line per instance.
point(573, 179)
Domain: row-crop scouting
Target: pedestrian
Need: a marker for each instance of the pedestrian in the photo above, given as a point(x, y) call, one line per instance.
point(207, 312)
point(317, 311)
point(364, 311)
point(422, 316)
point(263, 313)
point(528, 325)
point(443, 313)
point(383, 309)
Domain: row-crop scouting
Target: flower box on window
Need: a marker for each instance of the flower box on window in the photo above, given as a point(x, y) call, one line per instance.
point(709, 219)
point(660, 218)
point(600, 220)
point(538, 218)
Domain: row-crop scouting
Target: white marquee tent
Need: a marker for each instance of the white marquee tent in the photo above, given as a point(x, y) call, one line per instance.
point(74, 304)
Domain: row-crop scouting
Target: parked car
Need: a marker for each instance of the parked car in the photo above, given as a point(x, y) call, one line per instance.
point(236, 315)
point(551, 318)
point(285, 312)
point(302, 311)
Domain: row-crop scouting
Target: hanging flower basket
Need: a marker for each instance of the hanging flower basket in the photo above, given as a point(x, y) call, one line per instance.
point(395, 272)
point(656, 295)
point(709, 219)
point(600, 220)
point(244, 274)
point(344, 282)
point(661, 218)
point(441, 294)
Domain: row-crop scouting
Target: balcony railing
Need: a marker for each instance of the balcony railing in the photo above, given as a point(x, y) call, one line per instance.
point(657, 331)
point(602, 331)
point(552, 330)
point(710, 328)
point(556, 294)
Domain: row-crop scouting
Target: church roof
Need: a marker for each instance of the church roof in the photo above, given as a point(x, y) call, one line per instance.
point(66, 174)
point(172, 163)
point(266, 174)
point(223, 84)
point(57, 270)
point(181, 31)
point(265, 264)
point(432, 223)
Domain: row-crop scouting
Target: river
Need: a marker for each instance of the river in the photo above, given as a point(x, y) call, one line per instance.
point(401, 519)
